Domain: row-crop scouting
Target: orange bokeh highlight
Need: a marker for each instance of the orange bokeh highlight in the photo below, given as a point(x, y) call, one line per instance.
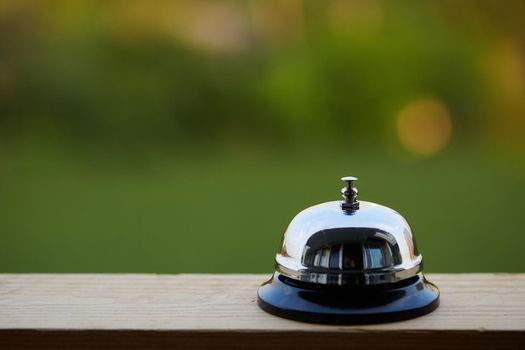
point(424, 126)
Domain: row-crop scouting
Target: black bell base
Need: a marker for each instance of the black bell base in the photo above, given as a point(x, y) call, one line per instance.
point(308, 302)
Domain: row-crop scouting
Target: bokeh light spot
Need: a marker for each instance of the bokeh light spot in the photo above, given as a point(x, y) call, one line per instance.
point(424, 127)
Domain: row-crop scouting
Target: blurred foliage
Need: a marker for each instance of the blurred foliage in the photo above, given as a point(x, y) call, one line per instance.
point(134, 134)
point(124, 74)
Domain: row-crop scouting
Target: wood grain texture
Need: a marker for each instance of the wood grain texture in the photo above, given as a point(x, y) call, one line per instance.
point(210, 311)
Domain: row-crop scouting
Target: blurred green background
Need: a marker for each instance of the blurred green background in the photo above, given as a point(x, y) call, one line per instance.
point(182, 136)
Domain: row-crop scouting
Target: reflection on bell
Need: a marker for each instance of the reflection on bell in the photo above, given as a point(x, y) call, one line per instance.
point(348, 262)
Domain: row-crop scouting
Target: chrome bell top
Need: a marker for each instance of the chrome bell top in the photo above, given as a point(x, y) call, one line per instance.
point(348, 243)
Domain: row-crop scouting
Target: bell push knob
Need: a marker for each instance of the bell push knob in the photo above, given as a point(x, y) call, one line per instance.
point(349, 193)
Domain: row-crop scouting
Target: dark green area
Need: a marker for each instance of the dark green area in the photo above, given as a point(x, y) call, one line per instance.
point(227, 213)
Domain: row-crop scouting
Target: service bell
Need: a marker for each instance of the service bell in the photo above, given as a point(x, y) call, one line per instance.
point(348, 262)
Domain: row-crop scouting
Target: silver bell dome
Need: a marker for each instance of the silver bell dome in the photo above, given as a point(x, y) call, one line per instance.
point(348, 242)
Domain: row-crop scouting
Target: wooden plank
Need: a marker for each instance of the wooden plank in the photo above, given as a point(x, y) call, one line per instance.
point(205, 311)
